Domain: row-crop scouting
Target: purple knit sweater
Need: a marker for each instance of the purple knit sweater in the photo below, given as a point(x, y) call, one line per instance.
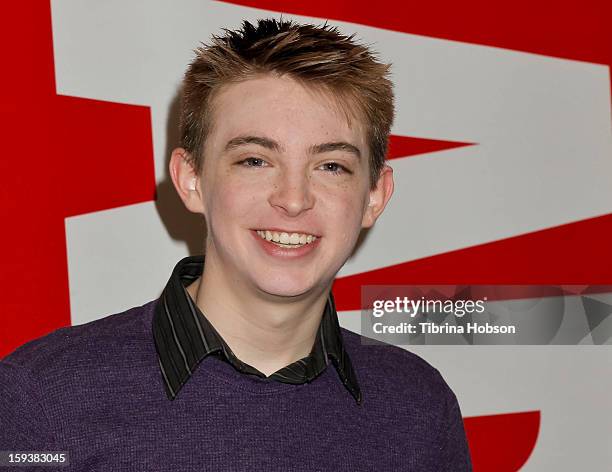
point(96, 391)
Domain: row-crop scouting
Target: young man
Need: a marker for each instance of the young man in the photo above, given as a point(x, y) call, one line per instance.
point(241, 363)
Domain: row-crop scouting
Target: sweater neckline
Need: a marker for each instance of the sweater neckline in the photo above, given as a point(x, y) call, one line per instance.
point(224, 372)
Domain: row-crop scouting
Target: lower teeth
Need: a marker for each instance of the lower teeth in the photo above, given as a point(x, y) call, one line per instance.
point(291, 246)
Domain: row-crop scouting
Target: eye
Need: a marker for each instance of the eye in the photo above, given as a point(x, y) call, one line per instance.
point(252, 162)
point(335, 168)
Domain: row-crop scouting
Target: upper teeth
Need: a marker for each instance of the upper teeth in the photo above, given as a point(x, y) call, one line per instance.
point(286, 238)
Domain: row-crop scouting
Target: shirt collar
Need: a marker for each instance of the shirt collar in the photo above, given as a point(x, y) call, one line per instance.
point(184, 337)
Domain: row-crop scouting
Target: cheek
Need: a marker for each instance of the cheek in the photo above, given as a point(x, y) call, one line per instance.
point(347, 213)
point(235, 198)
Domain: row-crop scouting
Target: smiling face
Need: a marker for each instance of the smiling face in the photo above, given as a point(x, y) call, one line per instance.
point(281, 158)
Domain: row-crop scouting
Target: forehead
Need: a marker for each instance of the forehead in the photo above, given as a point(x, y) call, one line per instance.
point(283, 109)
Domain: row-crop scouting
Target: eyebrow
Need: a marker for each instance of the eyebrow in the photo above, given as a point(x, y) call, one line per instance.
point(258, 140)
point(274, 146)
point(336, 146)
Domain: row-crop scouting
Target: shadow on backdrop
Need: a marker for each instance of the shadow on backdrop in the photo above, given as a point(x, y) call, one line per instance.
point(181, 224)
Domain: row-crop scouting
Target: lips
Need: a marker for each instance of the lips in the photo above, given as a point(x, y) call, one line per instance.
point(282, 250)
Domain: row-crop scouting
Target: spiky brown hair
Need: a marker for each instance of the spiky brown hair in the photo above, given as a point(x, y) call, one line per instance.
point(318, 56)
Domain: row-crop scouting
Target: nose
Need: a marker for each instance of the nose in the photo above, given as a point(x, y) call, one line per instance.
point(292, 193)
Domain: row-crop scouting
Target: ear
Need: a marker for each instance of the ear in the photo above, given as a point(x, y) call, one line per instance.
point(185, 180)
point(379, 197)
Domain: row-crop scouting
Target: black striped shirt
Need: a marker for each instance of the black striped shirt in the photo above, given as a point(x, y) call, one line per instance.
point(184, 337)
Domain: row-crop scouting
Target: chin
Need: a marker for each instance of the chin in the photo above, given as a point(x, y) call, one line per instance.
point(287, 289)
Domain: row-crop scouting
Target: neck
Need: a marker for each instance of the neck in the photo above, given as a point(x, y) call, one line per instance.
point(266, 332)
